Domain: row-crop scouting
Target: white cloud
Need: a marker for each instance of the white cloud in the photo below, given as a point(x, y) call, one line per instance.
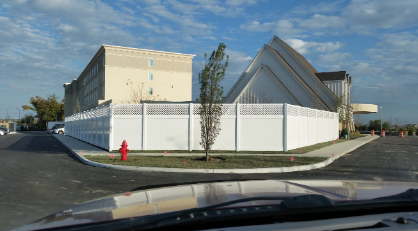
point(242, 2)
point(282, 28)
point(150, 2)
point(304, 47)
point(285, 29)
point(184, 7)
point(229, 38)
point(335, 57)
point(381, 13)
point(209, 37)
point(322, 7)
point(319, 21)
point(186, 22)
point(255, 26)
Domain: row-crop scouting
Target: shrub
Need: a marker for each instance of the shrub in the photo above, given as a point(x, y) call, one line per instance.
point(416, 132)
point(344, 132)
point(355, 134)
point(411, 131)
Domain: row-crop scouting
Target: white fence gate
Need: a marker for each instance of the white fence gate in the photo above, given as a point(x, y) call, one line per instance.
point(249, 127)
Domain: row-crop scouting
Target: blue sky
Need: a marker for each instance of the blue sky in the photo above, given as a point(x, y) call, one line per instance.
point(44, 44)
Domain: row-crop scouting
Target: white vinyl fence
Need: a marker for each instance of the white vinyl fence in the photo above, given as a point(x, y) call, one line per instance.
point(249, 127)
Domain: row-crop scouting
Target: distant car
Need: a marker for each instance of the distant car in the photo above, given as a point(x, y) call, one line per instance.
point(58, 129)
point(5, 130)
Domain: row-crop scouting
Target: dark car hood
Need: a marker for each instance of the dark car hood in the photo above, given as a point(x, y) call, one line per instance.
point(175, 198)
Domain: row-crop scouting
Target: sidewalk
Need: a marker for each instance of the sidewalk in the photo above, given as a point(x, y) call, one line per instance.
point(338, 150)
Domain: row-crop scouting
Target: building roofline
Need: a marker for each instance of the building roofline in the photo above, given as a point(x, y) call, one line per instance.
point(147, 50)
point(246, 69)
point(288, 47)
point(104, 46)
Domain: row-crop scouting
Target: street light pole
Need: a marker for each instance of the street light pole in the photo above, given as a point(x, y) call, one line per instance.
point(19, 112)
point(381, 112)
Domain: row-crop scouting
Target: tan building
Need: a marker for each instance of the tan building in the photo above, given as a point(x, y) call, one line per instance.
point(116, 74)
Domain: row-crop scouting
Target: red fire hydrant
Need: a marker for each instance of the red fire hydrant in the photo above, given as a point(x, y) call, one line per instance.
point(124, 151)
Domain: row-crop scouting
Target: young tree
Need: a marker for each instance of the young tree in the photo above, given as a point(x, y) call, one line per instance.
point(345, 111)
point(211, 97)
point(76, 107)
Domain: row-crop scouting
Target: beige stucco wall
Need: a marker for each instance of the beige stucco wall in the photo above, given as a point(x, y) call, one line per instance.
point(364, 108)
point(170, 86)
point(126, 68)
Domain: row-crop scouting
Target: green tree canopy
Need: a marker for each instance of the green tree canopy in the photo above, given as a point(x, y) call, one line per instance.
point(386, 126)
point(48, 109)
point(211, 96)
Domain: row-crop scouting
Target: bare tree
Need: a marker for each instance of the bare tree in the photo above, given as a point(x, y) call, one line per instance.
point(138, 94)
point(210, 97)
point(345, 110)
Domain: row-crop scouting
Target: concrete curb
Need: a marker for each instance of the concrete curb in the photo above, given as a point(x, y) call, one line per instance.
point(235, 171)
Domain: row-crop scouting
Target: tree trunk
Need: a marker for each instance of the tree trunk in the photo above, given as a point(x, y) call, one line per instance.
point(207, 155)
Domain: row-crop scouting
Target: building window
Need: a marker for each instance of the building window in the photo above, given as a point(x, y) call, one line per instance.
point(103, 75)
point(104, 61)
point(150, 90)
point(150, 62)
point(150, 77)
point(103, 91)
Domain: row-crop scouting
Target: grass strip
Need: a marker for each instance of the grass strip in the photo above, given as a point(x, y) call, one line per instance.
point(227, 162)
point(302, 150)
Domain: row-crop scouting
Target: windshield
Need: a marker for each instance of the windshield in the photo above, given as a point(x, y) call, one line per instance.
point(165, 93)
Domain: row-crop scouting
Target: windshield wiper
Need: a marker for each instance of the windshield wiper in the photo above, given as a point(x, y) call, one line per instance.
point(411, 194)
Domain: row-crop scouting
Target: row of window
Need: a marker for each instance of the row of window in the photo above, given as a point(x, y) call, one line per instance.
point(92, 72)
point(91, 97)
point(91, 86)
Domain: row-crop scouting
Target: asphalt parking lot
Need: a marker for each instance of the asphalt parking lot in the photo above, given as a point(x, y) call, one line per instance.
point(39, 176)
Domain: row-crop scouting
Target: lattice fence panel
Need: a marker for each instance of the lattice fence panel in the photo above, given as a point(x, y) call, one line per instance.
point(319, 114)
point(106, 110)
point(196, 109)
point(292, 110)
point(311, 112)
point(167, 109)
point(261, 109)
point(229, 109)
point(127, 109)
point(303, 111)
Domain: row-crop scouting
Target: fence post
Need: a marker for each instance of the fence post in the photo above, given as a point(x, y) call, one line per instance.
point(103, 122)
point(97, 128)
point(110, 127)
point(144, 125)
point(237, 127)
point(285, 127)
point(191, 127)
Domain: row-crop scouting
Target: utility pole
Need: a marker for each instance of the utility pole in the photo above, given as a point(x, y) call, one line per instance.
point(19, 112)
point(381, 118)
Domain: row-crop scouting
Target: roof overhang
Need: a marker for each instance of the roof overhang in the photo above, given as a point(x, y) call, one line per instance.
point(364, 108)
